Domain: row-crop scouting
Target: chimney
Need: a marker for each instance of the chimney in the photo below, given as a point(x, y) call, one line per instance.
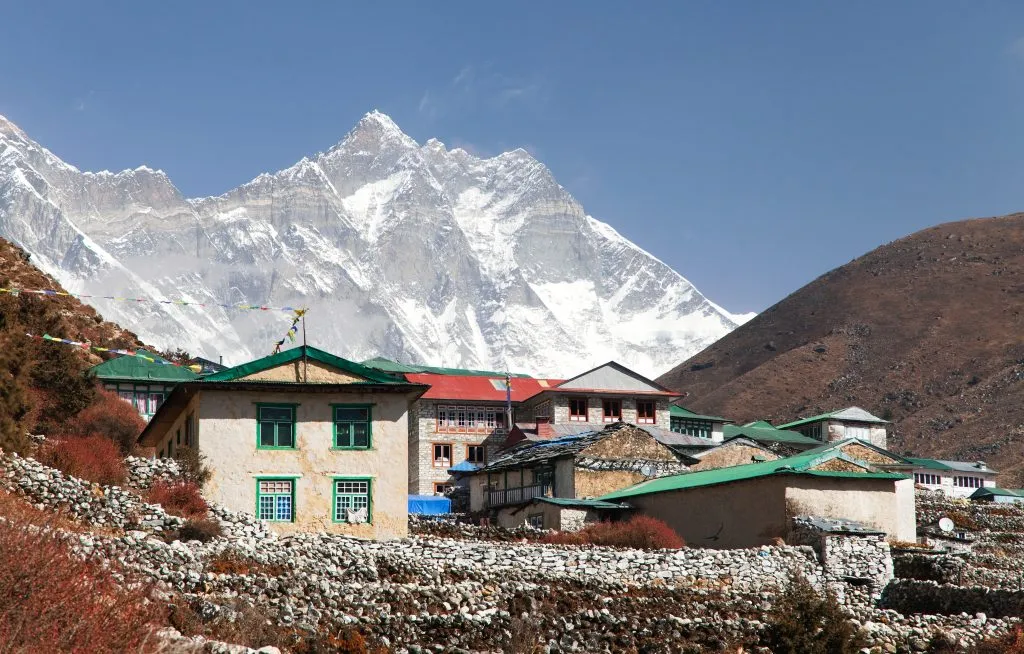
point(221, 358)
point(544, 429)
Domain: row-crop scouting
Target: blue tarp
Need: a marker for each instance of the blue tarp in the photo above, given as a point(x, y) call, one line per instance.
point(429, 504)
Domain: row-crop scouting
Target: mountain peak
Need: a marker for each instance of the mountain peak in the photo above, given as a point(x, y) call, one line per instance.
point(7, 128)
point(376, 127)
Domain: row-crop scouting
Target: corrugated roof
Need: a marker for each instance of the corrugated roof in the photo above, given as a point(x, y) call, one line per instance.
point(371, 375)
point(768, 434)
point(790, 465)
point(662, 435)
point(955, 466)
point(827, 447)
point(990, 491)
point(587, 504)
point(476, 387)
point(683, 412)
point(387, 365)
point(137, 369)
point(853, 413)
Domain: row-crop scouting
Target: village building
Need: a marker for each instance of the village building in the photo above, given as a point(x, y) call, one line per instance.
point(736, 451)
point(307, 440)
point(563, 513)
point(954, 478)
point(684, 421)
point(852, 422)
point(143, 384)
point(752, 505)
point(576, 467)
point(998, 495)
point(781, 441)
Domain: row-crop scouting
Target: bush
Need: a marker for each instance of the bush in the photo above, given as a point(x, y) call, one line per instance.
point(1011, 643)
point(200, 530)
point(92, 458)
point(640, 532)
point(109, 416)
point(180, 498)
point(193, 465)
point(58, 602)
point(233, 562)
point(804, 622)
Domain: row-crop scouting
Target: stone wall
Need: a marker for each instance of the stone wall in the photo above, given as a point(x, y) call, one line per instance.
point(912, 596)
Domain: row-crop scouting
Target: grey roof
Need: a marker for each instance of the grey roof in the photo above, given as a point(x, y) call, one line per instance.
point(663, 436)
point(968, 466)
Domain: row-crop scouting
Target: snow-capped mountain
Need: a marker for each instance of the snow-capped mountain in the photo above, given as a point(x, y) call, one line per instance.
point(413, 252)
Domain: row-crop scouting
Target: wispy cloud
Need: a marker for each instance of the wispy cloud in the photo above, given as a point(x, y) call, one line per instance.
point(82, 102)
point(479, 88)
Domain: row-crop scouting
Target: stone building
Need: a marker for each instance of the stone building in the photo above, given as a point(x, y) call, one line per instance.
point(734, 452)
point(307, 440)
point(573, 467)
point(852, 422)
point(752, 505)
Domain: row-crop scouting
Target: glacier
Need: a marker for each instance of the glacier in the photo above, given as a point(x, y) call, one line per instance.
point(418, 253)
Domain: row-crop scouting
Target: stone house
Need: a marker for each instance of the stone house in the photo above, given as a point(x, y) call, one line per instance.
point(852, 422)
point(143, 384)
point(574, 467)
point(306, 440)
point(752, 505)
point(954, 478)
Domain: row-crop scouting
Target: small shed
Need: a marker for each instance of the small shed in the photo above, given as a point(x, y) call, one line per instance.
point(562, 513)
point(998, 495)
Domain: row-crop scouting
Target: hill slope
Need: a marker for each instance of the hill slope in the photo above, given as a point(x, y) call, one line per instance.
point(926, 330)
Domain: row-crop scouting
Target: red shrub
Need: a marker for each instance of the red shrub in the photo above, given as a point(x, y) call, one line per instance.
point(180, 498)
point(108, 416)
point(57, 602)
point(640, 532)
point(92, 458)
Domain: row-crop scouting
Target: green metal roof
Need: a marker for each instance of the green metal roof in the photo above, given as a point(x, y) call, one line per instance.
point(760, 423)
point(856, 415)
point(930, 464)
point(296, 353)
point(989, 491)
point(683, 412)
point(387, 365)
point(846, 441)
point(799, 464)
point(129, 368)
point(768, 434)
point(587, 504)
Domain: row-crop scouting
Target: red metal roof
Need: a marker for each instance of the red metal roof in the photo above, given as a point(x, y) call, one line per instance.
point(484, 389)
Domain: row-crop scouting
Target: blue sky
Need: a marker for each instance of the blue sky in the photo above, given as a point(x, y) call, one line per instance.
point(752, 146)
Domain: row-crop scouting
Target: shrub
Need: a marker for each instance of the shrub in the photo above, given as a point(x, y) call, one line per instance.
point(180, 498)
point(109, 416)
point(639, 532)
point(233, 562)
point(58, 602)
point(203, 530)
point(804, 622)
point(193, 465)
point(15, 402)
point(92, 458)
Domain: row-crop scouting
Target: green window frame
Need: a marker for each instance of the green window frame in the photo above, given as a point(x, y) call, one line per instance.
point(276, 427)
point(275, 499)
point(691, 427)
point(351, 493)
point(353, 426)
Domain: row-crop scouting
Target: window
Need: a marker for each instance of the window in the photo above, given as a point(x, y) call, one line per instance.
point(812, 431)
point(170, 448)
point(442, 489)
point(645, 412)
point(476, 454)
point(275, 499)
point(178, 440)
point(352, 427)
point(190, 430)
point(690, 427)
point(276, 426)
point(155, 400)
point(545, 478)
point(612, 410)
point(535, 520)
point(578, 409)
point(860, 432)
point(926, 478)
point(442, 455)
point(470, 419)
point(352, 500)
point(968, 482)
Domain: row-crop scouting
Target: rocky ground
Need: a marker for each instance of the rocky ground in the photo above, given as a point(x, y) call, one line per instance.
point(451, 587)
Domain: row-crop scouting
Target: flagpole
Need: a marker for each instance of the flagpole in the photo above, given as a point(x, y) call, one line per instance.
point(305, 363)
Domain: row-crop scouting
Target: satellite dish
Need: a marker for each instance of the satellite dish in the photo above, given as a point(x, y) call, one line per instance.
point(647, 471)
point(946, 525)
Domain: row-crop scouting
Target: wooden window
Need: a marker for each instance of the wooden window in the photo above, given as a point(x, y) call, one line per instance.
point(476, 454)
point(812, 431)
point(927, 478)
point(968, 482)
point(611, 410)
point(470, 419)
point(352, 500)
point(275, 426)
point(578, 409)
point(535, 520)
point(352, 426)
point(442, 489)
point(645, 414)
point(442, 455)
point(275, 500)
point(690, 427)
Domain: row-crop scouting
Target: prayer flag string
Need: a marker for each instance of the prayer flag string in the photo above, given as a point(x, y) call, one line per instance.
point(116, 298)
point(292, 331)
point(129, 353)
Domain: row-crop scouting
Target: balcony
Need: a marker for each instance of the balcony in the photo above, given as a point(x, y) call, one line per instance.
point(516, 495)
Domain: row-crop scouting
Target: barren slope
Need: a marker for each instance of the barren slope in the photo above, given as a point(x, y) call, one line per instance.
point(926, 330)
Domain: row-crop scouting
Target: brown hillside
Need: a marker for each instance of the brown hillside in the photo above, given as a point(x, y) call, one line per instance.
point(926, 331)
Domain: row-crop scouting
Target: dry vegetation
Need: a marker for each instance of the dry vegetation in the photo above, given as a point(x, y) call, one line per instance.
point(640, 532)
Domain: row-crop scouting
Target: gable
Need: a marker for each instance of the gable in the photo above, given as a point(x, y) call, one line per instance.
point(732, 454)
point(310, 371)
point(612, 377)
point(629, 443)
point(868, 455)
point(837, 464)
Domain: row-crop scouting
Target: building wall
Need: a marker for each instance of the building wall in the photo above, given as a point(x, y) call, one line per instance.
point(837, 431)
point(730, 455)
point(560, 409)
point(753, 512)
point(946, 481)
point(228, 440)
point(555, 517)
point(594, 483)
point(423, 434)
point(866, 454)
point(162, 448)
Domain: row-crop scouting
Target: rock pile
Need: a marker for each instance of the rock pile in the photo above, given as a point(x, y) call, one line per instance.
point(142, 472)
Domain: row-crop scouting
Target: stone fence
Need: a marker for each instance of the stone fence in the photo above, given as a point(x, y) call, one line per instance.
point(910, 596)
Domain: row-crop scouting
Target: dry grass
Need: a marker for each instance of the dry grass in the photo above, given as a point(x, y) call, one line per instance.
point(92, 458)
point(640, 532)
